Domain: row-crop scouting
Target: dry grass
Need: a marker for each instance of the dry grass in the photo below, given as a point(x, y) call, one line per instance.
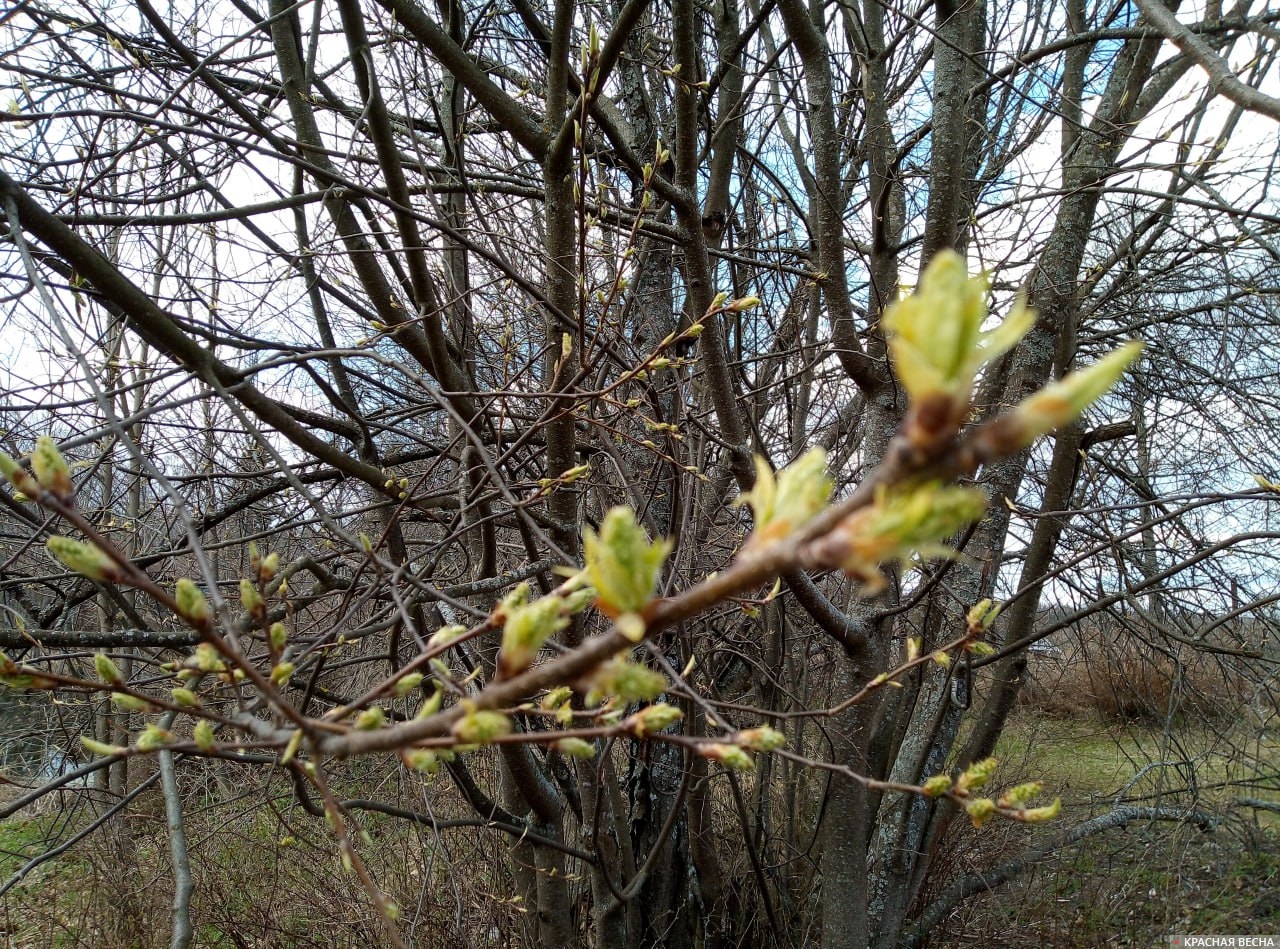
point(1129, 673)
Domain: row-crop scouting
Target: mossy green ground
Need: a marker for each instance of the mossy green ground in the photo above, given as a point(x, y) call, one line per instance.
point(260, 864)
point(1132, 887)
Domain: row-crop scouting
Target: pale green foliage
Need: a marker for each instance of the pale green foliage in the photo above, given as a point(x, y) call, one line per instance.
point(153, 738)
point(130, 703)
point(980, 810)
point(976, 775)
point(445, 635)
point(107, 670)
point(1020, 794)
point(281, 674)
point(1038, 815)
point(937, 785)
point(202, 735)
point(731, 756)
point(406, 684)
point(576, 748)
point(100, 748)
point(653, 718)
point(251, 599)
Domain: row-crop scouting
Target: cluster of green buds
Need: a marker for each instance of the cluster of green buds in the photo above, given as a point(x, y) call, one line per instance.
point(1012, 804)
point(623, 564)
point(265, 568)
point(735, 753)
point(897, 526)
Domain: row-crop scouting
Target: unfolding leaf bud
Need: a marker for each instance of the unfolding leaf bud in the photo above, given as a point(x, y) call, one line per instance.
point(976, 775)
point(937, 785)
point(100, 748)
point(153, 738)
point(742, 304)
point(786, 503)
point(626, 680)
point(206, 659)
point(576, 748)
point(107, 670)
point(291, 749)
point(281, 674)
point(130, 703)
point(481, 726)
point(88, 560)
point(192, 605)
point(982, 614)
point(935, 335)
point(421, 759)
point(653, 719)
point(556, 697)
point(1018, 795)
point(980, 810)
point(18, 475)
point(269, 567)
point(631, 626)
point(202, 735)
point(445, 635)
point(527, 627)
point(51, 469)
point(185, 697)
point(898, 525)
point(1038, 815)
point(763, 738)
point(252, 600)
point(371, 719)
point(432, 704)
point(731, 756)
point(579, 600)
point(406, 684)
point(278, 635)
point(623, 563)
point(1057, 404)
